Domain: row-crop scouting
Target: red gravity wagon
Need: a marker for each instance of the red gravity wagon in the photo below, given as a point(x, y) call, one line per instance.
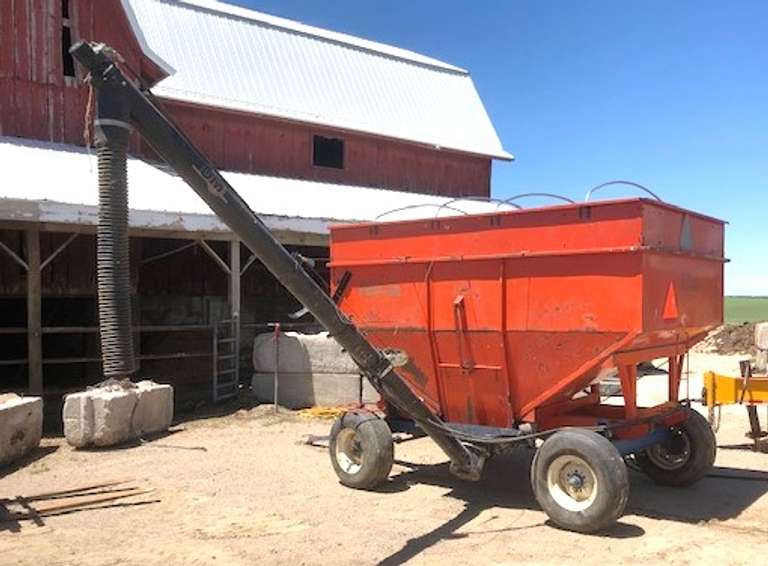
point(487, 331)
point(504, 325)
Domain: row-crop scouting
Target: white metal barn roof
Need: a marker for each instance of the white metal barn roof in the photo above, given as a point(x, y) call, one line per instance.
point(65, 191)
point(244, 60)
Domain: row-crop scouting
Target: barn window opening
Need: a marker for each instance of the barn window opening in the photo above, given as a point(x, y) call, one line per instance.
point(67, 62)
point(328, 152)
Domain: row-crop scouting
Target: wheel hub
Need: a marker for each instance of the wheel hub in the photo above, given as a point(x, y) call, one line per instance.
point(572, 483)
point(349, 451)
point(575, 481)
point(672, 454)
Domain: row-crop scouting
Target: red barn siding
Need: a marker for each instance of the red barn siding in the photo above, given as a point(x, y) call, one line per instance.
point(255, 144)
point(36, 102)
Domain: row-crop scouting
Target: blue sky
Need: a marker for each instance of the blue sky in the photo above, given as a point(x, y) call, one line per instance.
point(673, 95)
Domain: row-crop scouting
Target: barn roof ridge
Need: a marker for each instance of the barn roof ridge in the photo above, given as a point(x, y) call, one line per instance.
point(234, 58)
point(318, 32)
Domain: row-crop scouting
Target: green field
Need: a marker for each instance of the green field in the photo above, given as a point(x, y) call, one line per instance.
point(746, 309)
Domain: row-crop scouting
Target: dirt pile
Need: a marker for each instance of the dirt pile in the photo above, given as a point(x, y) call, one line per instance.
point(730, 339)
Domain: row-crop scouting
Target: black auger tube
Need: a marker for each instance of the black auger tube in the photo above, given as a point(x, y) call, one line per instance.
point(112, 245)
point(208, 183)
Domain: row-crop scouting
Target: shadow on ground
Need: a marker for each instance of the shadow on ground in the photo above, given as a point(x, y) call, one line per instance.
point(154, 440)
point(722, 495)
point(204, 411)
point(36, 454)
point(505, 484)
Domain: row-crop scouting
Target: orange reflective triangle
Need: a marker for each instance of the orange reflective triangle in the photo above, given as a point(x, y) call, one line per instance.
point(670, 304)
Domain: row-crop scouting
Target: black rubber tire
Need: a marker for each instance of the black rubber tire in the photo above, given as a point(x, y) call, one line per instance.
point(373, 441)
point(610, 475)
point(703, 450)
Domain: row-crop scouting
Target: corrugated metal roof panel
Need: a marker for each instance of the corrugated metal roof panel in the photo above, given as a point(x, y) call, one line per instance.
point(70, 176)
point(243, 60)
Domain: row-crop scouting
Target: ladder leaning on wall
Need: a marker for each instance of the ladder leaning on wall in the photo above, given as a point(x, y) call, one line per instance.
point(226, 357)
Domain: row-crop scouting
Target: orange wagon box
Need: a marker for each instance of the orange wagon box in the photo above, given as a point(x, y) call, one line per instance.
point(513, 317)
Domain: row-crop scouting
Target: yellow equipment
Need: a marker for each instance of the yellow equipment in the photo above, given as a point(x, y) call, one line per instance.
point(746, 390)
point(727, 390)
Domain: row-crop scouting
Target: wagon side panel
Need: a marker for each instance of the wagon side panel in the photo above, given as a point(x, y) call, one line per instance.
point(682, 293)
point(468, 326)
point(564, 313)
point(683, 271)
point(391, 307)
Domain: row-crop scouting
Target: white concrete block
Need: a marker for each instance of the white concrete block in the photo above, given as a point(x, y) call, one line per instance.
point(761, 361)
point(113, 416)
point(761, 335)
point(116, 413)
point(302, 390)
point(301, 353)
point(21, 426)
point(154, 411)
point(78, 419)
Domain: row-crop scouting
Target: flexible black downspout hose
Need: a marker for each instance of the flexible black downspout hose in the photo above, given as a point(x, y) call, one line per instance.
point(113, 252)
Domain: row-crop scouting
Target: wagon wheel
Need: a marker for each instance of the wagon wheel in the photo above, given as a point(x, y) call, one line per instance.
point(580, 480)
point(361, 448)
point(683, 459)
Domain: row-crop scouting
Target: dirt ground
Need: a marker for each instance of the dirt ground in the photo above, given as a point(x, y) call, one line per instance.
point(243, 488)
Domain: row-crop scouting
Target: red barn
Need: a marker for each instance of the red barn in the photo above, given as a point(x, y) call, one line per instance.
point(314, 126)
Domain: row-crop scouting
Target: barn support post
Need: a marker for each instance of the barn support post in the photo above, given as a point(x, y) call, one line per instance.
point(34, 312)
point(234, 279)
point(234, 300)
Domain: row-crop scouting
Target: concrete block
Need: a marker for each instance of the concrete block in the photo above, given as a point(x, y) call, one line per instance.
point(117, 412)
point(78, 419)
point(113, 416)
point(154, 411)
point(761, 361)
point(302, 390)
point(21, 426)
point(761, 335)
point(301, 353)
